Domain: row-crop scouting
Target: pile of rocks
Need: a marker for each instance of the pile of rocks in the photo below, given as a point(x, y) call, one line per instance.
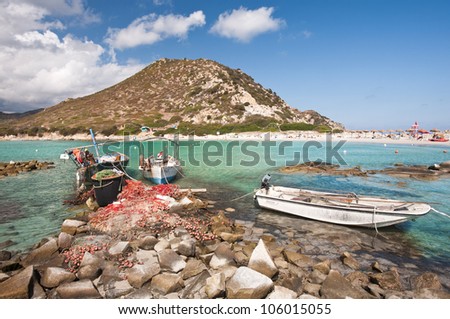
point(324, 168)
point(242, 262)
point(13, 168)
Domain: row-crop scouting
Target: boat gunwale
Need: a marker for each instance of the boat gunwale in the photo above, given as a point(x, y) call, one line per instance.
point(365, 210)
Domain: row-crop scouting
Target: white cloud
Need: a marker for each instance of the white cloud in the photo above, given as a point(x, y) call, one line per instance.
point(307, 34)
point(243, 24)
point(38, 68)
point(153, 28)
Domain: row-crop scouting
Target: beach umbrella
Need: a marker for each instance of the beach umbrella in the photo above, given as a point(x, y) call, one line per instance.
point(435, 130)
point(422, 131)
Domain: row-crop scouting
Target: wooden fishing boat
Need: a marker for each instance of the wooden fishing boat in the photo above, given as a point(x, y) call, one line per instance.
point(344, 209)
point(161, 170)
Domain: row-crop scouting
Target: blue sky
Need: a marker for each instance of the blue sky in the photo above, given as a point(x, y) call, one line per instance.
point(369, 64)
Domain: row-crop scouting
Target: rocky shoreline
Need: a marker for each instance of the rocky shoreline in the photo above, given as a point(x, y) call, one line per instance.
point(14, 168)
point(178, 246)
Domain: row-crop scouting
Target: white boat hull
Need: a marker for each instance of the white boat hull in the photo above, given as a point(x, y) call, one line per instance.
point(333, 208)
point(161, 174)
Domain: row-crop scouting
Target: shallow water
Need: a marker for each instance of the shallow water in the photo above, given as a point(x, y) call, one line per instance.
point(32, 203)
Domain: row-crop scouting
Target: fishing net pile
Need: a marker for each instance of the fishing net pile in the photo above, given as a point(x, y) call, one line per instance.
point(157, 210)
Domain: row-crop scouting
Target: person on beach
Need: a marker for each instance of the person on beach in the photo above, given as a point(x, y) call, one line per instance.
point(265, 182)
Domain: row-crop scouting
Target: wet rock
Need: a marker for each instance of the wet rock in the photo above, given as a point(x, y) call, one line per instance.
point(223, 256)
point(118, 289)
point(83, 289)
point(261, 261)
point(389, 280)
point(6, 243)
point(119, 248)
point(280, 292)
point(247, 283)
point(19, 286)
point(376, 266)
point(166, 283)
point(298, 259)
point(324, 267)
point(147, 242)
point(70, 226)
point(187, 247)
point(337, 287)
point(215, 285)
point(349, 261)
point(65, 240)
point(171, 261)
point(427, 280)
point(54, 276)
point(42, 254)
point(5, 255)
point(193, 268)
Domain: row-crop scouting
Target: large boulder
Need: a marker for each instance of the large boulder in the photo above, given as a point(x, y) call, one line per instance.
point(337, 287)
point(55, 276)
point(64, 240)
point(247, 283)
point(83, 289)
point(19, 286)
point(42, 254)
point(261, 261)
point(171, 261)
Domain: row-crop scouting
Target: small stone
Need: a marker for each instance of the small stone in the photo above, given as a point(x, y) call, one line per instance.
point(376, 266)
point(193, 268)
point(118, 289)
point(324, 267)
point(337, 287)
point(349, 261)
point(230, 210)
point(298, 259)
point(312, 289)
point(161, 245)
point(187, 247)
point(147, 242)
point(5, 255)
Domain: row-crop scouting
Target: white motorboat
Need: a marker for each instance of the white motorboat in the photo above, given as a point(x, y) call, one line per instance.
point(344, 209)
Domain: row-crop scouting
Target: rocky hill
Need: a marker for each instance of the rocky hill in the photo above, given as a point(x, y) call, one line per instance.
point(174, 93)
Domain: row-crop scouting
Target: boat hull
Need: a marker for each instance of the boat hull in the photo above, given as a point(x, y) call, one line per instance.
point(161, 175)
point(348, 216)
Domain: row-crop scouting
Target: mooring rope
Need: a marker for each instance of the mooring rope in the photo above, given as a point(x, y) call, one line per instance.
point(440, 213)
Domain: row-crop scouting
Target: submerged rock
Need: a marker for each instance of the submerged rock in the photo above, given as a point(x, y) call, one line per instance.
point(337, 287)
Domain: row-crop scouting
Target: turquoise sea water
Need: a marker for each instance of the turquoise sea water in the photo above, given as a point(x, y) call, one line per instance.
point(31, 204)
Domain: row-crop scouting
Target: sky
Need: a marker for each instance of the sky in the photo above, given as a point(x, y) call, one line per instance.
point(368, 64)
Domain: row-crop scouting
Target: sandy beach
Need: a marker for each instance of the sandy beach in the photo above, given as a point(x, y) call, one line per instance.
point(349, 136)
